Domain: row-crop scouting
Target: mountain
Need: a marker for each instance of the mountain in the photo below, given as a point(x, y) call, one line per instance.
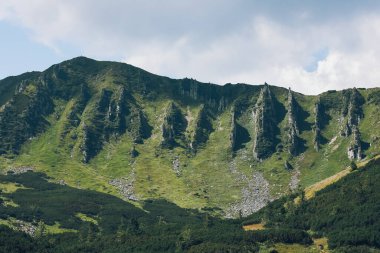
point(117, 129)
point(106, 157)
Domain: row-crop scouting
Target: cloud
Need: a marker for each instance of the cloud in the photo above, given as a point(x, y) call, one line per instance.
point(311, 47)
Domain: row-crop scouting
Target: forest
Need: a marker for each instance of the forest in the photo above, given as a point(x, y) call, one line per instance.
point(347, 212)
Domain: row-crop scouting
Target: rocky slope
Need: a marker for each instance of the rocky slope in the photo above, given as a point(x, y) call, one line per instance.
point(94, 124)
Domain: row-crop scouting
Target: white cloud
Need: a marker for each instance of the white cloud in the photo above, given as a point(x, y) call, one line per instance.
point(211, 42)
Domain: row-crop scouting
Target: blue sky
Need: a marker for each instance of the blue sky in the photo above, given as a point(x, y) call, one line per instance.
point(19, 53)
point(311, 46)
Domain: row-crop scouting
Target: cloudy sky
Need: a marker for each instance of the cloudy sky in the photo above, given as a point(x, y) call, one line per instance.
point(311, 46)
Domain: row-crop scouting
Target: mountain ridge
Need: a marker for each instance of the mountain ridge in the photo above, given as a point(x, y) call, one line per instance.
point(116, 128)
point(90, 60)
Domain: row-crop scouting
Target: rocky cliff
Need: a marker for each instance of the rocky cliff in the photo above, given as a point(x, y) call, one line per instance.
point(293, 141)
point(264, 116)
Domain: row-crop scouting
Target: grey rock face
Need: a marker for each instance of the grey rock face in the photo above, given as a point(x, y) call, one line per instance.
point(292, 135)
point(354, 151)
point(117, 111)
point(85, 145)
point(352, 111)
point(264, 124)
point(233, 134)
point(317, 125)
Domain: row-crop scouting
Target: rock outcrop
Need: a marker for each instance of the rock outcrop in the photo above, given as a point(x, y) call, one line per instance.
point(213, 96)
point(173, 127)
point(95, 130)
point(112, 116)
point(138, 126)
point(203, 128)
point(116, 114)
point(317, 125)
point(264, 124)
point(292, 132)
point(354, 151)
point(352, 111)
point(74, 116)
point(233, 134)
point(85, 147)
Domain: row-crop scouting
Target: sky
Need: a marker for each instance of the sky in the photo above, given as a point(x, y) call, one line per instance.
point(311, 46)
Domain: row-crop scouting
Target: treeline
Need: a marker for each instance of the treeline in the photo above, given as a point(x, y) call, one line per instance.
point(186, 240)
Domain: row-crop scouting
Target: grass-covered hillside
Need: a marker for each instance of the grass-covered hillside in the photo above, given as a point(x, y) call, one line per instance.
point(117, 129)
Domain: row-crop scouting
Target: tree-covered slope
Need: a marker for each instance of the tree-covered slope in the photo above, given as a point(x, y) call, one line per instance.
point(346, 212)
point(117, 129)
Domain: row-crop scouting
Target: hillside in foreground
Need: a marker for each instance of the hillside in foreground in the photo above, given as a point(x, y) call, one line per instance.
point(345, 214)
point(37, 215)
